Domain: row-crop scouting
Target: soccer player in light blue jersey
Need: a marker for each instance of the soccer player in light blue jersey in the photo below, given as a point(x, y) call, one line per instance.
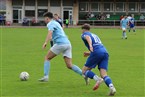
point(132, 24)
point(124, 23)
point(61, 45)
point(98, 56)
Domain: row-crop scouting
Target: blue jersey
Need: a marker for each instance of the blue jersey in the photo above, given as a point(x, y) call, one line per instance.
point(124, 23)
point(58, 35)
point(96, 42)
point(131, 22)
point(60, 22)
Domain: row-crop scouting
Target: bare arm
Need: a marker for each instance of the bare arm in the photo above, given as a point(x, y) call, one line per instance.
point(48, 38)
point(89, 42)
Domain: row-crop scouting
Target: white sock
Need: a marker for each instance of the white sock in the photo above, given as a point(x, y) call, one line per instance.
point(111, 86)
point(46, 76)
point(96, 78)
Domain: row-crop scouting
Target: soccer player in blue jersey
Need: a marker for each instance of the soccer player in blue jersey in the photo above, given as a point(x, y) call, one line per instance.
point(124, 23)
point(59, 20)
point(132, 24)
point(61, 45)
point(98, 56)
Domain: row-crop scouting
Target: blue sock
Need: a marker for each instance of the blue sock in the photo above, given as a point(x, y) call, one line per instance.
point(89, 74)
point(123, 34)
point(46, 68)
point(77, 69)
point(107, 80)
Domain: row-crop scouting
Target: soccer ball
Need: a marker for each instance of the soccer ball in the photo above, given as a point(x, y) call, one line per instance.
point(24, 76)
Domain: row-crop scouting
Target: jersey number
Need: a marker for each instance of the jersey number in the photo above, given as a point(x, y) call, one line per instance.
point(96, 39)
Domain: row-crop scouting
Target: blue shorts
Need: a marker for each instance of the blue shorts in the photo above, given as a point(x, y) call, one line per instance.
point(100, 59)
point(131, 25)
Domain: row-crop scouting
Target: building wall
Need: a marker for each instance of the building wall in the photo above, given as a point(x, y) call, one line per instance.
point(9, 10)
point(79, 8)
point(75, 12)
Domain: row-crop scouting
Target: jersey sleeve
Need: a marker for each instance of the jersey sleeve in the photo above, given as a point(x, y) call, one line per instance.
point(50, 27)
point(84, 35)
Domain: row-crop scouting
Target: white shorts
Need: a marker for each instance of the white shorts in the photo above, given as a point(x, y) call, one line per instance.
point(65, 49)
point(123, 29)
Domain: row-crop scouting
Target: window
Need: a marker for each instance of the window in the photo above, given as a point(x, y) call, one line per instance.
point(120, 6)
point(107, 0)
point(29, 2)
point(108, 6)
point(30, 13)
point(42, 2)
point(41, 12)
point(68, 2)
point(17, 2)
point(142, 5)
point(132, 7)
point(95, 7)
point(55, 2)
point(83, 6)
point(2, 4)
point(120, 0)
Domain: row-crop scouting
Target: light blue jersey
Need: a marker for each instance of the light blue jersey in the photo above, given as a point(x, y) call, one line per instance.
point(124, 23)
point(58, 35)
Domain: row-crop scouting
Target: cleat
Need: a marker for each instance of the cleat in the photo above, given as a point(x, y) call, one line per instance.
point(43, 79)
point(97, 84)
point(86, 80)
point(112, 92)
point(125, 37)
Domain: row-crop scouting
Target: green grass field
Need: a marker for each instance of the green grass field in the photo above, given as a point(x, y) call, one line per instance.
point(21, 50)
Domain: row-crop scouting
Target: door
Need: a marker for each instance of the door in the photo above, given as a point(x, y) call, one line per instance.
point(67, 14)
point(17, 16)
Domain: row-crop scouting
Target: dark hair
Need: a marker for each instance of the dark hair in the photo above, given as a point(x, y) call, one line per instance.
point(56, 14)
point(86, 26)
point(48, 14)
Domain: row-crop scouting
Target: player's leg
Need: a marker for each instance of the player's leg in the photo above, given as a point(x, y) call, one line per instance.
point(103, 67)
point(92, 62)
point(89, 74)
point(124, 33)
point(67, 54)
point(71, 66)
point(129, 28)
point(108, 81)
point(133, 29)
point(50, 55)
point(54, 51)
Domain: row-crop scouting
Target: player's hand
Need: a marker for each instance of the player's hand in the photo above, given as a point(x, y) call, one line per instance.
point(91, 49)
point(86, 54)
point(44, 45)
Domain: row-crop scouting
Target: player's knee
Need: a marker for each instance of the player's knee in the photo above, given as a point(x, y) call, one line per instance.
point(47, 58)
point(69, 66)
point(83, 71)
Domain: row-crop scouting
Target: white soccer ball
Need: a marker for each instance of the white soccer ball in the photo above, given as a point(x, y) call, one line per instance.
point(24, 76)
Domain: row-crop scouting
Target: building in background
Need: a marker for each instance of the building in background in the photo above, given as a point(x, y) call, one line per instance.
point(74, 10)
